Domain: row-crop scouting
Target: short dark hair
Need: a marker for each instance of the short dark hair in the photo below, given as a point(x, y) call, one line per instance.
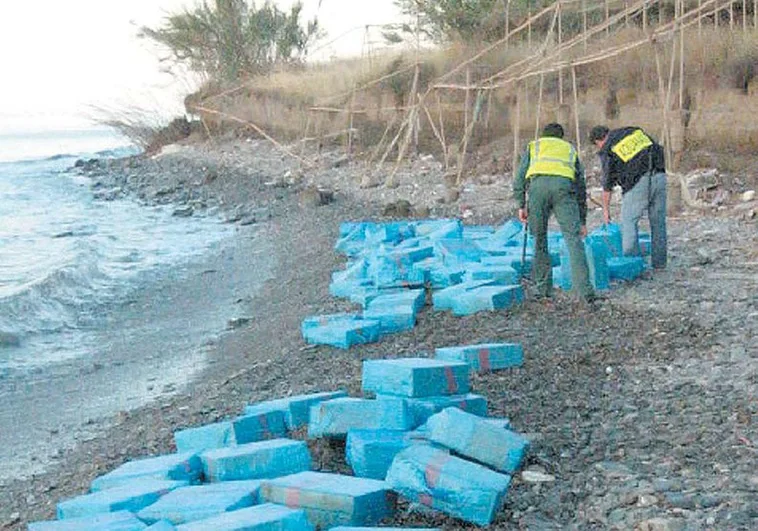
point(599, 132)
point(553, 130)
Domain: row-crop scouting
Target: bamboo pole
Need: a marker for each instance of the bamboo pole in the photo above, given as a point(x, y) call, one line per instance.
point(607, 17)
point(539, 109)
point(584, 23)
point(507, 23)
point(755, 14)
point(560, 42)
point(744, 16)
point(467, 104)
point(349, 148)
point(681, 56)
point(576, 110)
point(467, 136)
point(257, 129)
point(715, 15)
point(442, 130)
point(435, 131)
point(699, 20)
point(516, 123)
point(731, 16)
point(662, 97)
point(379, 145)
point(644, 17)
point(529, 31)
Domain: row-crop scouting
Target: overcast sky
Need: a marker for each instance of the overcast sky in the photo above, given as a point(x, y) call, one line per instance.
point(59, 57)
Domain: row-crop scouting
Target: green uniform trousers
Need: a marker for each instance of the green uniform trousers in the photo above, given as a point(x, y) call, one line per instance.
point(548, 194)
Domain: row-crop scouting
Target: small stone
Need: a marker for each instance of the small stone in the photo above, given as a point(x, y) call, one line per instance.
point(183, 211)
point(646, 500)
point(534, 476)
point(681, 501)
point(661, 524)
point(748, 196)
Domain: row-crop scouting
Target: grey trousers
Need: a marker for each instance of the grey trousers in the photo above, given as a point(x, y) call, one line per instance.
point(648, 195)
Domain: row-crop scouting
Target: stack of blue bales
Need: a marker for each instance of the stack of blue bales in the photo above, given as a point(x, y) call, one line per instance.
point(392, 266)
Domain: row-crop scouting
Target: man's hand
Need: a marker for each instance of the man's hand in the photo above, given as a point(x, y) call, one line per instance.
point(523, 215)
point(583, 231)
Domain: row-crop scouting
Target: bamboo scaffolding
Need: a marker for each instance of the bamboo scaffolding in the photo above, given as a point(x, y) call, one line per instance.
point(659, 34)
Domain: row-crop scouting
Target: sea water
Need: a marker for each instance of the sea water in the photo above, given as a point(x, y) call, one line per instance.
point(66, 258)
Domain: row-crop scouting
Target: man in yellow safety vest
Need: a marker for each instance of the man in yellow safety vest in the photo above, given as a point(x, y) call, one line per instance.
point(551, 170)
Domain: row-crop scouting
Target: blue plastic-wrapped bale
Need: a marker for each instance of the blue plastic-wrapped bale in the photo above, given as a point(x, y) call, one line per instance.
point(472, 437)
point(348, 288)
point(477, 232)
point(487, 298)
point(355, 270)
point(116, 521)
point(504, 274)
point(340, 330)
point(597, 260)
point(162, 525)
point(332, 499)
point(415, 377)
point(177, 467)
point(352, 239)
point(133, 496)
point(421, 272)
point(596, 249)
point(370, 452)
point(188, 504)
point(348, 528)
point(394, 268)
point(335, 418)
point(510, 230)
point(392, 319)
point(626, 267)
point(423, 408)
point(446, 483)
point(296, 409)
point(259, 460)
point(444, 299)
point(458, 252)
point(485, 357)
point(610, 234)
point(415, 298)
point(444, 277)
point(452, 229)
point(266, 517)
point(502, 423)
point(242, 430)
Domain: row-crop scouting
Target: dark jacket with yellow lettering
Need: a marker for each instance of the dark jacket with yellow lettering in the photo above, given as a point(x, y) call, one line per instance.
point(644, 157)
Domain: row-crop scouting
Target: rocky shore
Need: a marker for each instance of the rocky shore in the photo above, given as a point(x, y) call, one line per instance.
point(643, 411)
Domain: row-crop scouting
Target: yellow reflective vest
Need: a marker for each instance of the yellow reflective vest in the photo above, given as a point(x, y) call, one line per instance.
point(552, 156)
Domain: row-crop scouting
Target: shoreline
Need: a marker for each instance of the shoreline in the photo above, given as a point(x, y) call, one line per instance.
point(599, 432)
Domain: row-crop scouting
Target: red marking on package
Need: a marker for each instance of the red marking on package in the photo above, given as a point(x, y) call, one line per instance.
point(263, 420)
point(484, 359)
point(425, 499)
point(433, 470)
point(452, 385)
point(292, 497)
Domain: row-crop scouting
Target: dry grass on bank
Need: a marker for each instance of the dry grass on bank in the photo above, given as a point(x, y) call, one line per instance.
point(719, 70)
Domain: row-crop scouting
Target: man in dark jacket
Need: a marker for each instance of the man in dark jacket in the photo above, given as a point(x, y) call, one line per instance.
point(634, 161)
point(551, 168)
